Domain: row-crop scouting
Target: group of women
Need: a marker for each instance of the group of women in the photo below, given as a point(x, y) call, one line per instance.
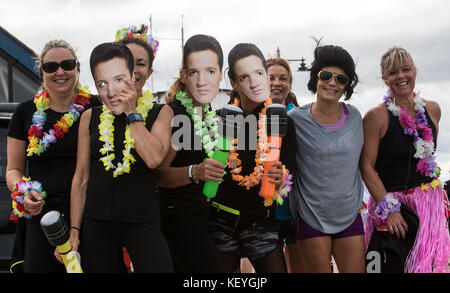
point(111, 166)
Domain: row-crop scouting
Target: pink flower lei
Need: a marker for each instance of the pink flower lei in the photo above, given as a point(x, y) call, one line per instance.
point(420, 130)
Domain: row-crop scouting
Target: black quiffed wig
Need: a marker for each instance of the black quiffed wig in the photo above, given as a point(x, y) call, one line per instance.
point(108, 51)
point(330, 55)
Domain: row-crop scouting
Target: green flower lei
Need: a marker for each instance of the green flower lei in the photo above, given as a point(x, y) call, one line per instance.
point(206, 129)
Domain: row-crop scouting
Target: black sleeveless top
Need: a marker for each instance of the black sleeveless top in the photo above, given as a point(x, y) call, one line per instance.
point(55, 167)
point(249, 202)
point(396, 165)
point(130, 197)
point(188, 198)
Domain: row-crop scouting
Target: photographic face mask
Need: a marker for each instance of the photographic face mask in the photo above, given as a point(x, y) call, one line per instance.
point(110, 79)
point(252, 81)
point(202, 76)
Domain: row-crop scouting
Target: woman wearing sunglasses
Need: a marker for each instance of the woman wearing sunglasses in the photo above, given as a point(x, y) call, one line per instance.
point(43, 133)
point(328, 189)
point(399, 168)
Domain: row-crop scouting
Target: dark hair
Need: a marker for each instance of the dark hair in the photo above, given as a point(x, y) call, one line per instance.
point(333, 56)
point(194, 44)
point(143, 44)
point(291, 98)
point(239, 52)
point(107, 51)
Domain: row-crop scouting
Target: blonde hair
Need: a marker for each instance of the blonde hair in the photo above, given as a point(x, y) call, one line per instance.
point(52, 45)
point(176, 86)
point(393, 58)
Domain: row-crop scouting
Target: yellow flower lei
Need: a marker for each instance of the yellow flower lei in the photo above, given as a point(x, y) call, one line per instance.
point(106, 128)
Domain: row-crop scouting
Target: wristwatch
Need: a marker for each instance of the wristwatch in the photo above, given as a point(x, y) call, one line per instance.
point(134, 117)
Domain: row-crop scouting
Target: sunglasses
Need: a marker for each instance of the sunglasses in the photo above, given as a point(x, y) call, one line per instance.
point(340, 78)
point(66, 65)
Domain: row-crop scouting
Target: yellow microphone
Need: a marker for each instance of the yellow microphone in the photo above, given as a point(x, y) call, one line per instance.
point(57, 233)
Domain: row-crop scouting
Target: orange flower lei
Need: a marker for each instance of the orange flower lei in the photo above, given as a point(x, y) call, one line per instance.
point(234, 163)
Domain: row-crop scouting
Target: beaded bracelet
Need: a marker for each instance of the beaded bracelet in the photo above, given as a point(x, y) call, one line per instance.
point(22, 189)
point(389, 204)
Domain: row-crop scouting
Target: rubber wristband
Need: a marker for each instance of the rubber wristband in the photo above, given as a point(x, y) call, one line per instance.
point(190, 175)
point(195, 181)
point(75, 228)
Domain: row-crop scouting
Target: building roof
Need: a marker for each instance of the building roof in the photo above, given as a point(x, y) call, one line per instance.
point(18, 50)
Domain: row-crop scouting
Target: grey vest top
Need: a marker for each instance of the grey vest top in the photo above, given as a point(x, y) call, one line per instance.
point(328, 188)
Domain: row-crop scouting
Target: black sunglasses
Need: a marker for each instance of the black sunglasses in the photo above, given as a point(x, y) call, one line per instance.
point(66, 65)
point(340, 78)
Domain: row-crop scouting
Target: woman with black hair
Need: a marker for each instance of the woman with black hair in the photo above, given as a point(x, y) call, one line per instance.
point(182, 174)
point(328, 189)
point(143, 47)
point(113, 189)
point(242, 223)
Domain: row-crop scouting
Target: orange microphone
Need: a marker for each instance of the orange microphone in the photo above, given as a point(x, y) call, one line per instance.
point(276, 125)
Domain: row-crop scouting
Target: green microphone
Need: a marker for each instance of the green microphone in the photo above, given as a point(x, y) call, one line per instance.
point(228, 125)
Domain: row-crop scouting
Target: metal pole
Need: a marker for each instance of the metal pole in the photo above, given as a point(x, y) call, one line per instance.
point(182, 34)
point(151, 33)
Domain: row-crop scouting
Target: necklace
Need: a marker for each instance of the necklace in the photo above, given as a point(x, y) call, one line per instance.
point(39, 141)
point(207, 129)
point(106, 128)
point(421, 132)
point(234, 163)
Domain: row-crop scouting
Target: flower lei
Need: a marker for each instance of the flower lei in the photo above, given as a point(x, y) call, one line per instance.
point(234, 162)
point(202, 128)
point(39, 141)
point(22, 189)
point(389, 204)
point(106, 128)
point(130, 33)
point(420, 130)
point(283, 190)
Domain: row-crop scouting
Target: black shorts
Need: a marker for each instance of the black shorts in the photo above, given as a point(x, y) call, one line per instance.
point(288, 230)
point(255, 241)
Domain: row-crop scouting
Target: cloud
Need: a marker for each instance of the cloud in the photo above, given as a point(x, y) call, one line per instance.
point(365, 28)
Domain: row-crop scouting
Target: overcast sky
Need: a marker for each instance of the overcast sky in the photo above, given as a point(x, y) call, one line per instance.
point(366, 29)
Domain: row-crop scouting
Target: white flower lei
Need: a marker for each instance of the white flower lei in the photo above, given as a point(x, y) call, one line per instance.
point(423, 148)
point(106, 128)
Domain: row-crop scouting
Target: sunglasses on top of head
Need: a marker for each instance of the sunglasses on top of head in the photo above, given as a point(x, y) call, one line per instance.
point(67, 65)
point(340, 78)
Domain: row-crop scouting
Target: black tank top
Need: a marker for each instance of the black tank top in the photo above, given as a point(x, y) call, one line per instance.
point(130, 197)
point(396, 165)
point(249, 202)
point(188, 198)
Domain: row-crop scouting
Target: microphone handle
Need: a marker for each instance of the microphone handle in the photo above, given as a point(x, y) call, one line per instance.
point(69, 258)
point(267, 188)
point(221, 155)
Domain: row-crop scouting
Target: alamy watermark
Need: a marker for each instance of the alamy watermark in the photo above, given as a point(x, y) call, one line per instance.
point(245, 129)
